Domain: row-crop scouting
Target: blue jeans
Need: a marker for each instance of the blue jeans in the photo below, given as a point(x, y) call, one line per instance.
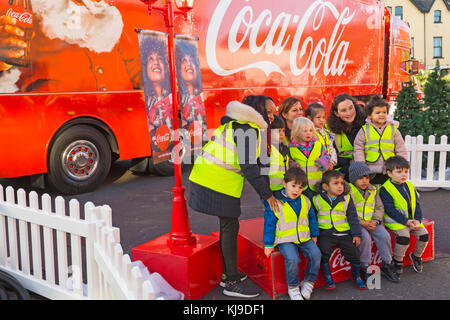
point(309, 250)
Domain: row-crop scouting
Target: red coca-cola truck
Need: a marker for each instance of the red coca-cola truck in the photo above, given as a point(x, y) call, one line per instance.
point(78, 103)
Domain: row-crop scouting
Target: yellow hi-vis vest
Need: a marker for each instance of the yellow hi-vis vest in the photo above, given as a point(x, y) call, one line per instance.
point(324, 141)
point(376, 144)
point(217, 168)
point(308, 164)
point(343, 146)
point(364, 207)
point(400, 203)
point(328, 217)
point(290, 227)
point(278, 166)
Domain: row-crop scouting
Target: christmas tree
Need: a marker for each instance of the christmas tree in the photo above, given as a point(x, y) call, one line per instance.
point(409, 111)
point(437, 104)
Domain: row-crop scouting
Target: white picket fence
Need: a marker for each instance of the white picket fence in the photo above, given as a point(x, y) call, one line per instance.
point(61, 256)
point(435, 177)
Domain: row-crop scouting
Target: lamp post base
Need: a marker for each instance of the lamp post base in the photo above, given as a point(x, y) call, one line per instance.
point(194, 270)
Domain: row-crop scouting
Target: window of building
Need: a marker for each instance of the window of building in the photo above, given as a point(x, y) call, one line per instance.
point(437, 16)
point(412, 47)
point(437, 47)
point(399, 12)
point(390, 9)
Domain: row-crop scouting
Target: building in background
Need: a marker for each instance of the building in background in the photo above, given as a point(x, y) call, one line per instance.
point(429, 21)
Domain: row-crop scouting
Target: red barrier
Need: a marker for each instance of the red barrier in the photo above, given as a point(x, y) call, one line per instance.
point(269, 273)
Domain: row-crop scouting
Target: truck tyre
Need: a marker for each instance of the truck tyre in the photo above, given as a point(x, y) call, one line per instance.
point(79, 160)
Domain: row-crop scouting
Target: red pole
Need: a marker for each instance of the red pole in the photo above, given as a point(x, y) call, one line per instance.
point(180, 233)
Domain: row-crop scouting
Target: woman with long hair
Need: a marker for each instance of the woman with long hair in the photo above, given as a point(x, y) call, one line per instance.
point(345, 118)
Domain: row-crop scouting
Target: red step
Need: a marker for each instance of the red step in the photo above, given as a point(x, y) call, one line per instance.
point(269, 273)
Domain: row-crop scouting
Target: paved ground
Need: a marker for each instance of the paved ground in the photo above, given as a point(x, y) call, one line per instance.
point(141, 208)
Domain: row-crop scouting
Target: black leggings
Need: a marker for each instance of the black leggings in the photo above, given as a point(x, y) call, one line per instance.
point(229, 229)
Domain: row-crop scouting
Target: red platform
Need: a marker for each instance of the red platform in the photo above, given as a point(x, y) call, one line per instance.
point(194, 270)
point(269, 273)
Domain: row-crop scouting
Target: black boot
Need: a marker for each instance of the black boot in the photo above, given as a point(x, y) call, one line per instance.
point(388, 270)
point(397, 266)
point(363, 273)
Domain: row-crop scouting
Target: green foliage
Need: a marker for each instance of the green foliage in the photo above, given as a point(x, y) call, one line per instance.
point(409, 111)
point(437, 104)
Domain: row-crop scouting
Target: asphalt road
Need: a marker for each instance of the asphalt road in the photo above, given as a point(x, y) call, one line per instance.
point(141, 206)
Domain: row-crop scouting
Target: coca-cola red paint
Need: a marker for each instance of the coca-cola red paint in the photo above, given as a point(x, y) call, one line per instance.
point(312, 49)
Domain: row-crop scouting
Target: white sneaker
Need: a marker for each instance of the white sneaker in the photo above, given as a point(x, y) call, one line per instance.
point(294, 293)
point(306, 289)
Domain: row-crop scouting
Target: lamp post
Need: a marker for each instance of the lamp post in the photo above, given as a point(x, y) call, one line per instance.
point(180, 233)
point(190, 263)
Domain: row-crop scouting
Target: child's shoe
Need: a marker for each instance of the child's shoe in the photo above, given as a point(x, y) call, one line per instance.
point(417, 263)
point(294, 293)
point(388, 270)
point(223, 279)
point(356, 277)
point(397, 267)
point(306, 289)
point(329, 283)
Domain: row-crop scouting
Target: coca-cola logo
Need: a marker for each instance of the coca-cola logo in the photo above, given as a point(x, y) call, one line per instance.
point(162, 137)
point(23, 17)
point(338, 262)
point(195, 132)
point(324, 50)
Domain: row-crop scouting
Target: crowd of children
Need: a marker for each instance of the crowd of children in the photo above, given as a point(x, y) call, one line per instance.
point(324, 205)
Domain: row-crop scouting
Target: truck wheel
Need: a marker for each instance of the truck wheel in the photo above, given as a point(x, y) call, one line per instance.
point(79, 160)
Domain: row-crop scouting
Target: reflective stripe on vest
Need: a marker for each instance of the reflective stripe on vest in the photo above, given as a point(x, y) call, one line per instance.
point(290, 227)
point(344, 147)
point(324, 141)
point(377, 144)
point(217, 168)
point(278, 167)
point(364, 207)
point(400, 204)
point(308, 164)
point(327, 217)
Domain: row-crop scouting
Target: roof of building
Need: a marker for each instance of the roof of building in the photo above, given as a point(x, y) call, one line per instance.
point(425, 5)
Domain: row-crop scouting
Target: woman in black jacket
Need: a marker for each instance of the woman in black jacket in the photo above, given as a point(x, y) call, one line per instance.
point(228, 208)
point(346, 117)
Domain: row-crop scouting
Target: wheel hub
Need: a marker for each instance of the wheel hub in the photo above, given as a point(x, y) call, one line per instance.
point(80, 160)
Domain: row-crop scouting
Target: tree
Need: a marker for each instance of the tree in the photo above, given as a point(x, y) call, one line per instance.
point(437, 104)
point(409, 111)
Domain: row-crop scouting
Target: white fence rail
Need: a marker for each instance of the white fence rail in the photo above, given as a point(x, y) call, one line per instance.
point(61, 256)
point(435, 177)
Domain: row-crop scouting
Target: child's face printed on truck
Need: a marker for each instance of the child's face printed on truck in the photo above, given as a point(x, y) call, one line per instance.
point(378, 115)
point(155, 68)
point(346, 111)
point(188, 71)
point(294, 112)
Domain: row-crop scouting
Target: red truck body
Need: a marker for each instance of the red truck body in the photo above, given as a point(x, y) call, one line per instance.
point(313, 50)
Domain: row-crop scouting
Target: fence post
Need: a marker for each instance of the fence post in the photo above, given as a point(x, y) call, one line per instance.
point(92, 268)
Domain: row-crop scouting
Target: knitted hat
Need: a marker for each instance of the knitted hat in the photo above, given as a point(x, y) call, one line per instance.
point(358, 169)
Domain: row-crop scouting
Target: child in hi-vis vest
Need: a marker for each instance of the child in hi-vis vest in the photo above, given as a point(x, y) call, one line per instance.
point(370, 211)
point(294, 228)
point(279, 158)
point(316, 113)
point(338, 224)
point(378, 139)
point(403, 213)
point(306, 151)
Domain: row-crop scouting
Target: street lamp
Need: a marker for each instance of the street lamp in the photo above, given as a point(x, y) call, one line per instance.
point(180, 233)
point(192, 264)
